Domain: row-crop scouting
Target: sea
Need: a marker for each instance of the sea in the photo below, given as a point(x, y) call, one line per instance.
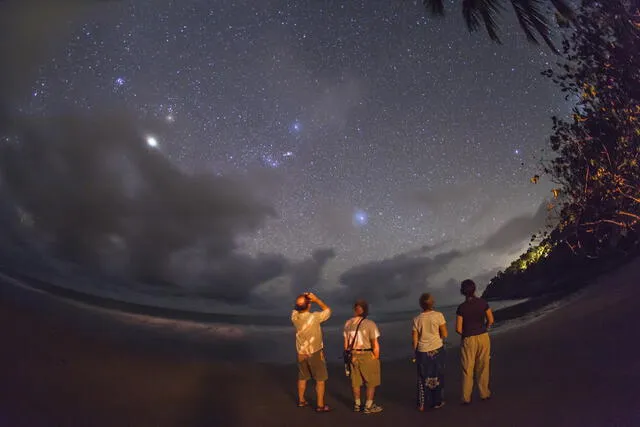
point(227, 336)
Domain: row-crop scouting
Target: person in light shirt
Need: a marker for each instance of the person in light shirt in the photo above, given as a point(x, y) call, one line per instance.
point(309, 346)
point(361, 338)
point(428, 333)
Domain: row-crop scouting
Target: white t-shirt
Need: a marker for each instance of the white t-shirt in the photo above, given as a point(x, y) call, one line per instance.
point(367, 332)
point(308, 330)
point(427, 324)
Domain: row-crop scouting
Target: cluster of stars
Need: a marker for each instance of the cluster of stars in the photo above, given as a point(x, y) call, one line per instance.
point(364, 107)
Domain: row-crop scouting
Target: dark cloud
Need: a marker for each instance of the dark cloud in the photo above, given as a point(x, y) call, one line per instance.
point(232, 279)
point(92, 186)
point(102, 198)
point(516, 231)
point(425, 249)
point(393, 278)
point(306, 274)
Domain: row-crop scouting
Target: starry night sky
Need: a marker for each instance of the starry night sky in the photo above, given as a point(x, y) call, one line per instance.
point(395, 145)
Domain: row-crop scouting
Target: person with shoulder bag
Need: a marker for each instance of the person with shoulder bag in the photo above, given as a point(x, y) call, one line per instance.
point(362, 351)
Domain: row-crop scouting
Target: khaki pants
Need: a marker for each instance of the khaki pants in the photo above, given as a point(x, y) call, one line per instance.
point(474, 355)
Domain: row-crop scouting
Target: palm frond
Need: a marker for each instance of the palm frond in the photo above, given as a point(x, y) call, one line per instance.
point(533, 20)
point(531, 14)
point(485, 11)
point(435, 6)
point(564, 9)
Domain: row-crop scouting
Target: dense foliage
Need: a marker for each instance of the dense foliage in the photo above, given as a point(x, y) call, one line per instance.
point(597, 165)
point(597, 156)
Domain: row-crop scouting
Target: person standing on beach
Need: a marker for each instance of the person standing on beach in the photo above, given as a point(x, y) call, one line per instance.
point(309, 346)
point(473, 318)
point(428, 334)
point(361, 337)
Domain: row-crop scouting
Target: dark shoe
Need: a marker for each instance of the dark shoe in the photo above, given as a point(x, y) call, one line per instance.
point(439, 405)
point(463, 403)
point(373, 409)
point(303, 404)
point(324, 408)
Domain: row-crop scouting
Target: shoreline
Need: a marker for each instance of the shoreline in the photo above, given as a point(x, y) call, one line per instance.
point(65, 366)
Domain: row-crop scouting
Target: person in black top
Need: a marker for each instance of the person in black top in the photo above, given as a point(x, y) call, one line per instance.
point(473, 317)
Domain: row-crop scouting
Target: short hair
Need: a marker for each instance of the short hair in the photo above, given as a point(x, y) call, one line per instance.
point(468, 288)
point(424, 301)
point(362, 304)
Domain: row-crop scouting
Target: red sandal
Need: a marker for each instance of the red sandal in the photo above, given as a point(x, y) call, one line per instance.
point(324, 408)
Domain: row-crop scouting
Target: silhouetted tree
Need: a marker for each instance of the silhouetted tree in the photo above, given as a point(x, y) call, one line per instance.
point(598, 150)
point(535, 16)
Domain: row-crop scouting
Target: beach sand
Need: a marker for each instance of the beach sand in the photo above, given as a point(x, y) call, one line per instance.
point(63, 365)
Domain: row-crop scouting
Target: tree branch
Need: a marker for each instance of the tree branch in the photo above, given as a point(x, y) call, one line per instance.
point(629, 214)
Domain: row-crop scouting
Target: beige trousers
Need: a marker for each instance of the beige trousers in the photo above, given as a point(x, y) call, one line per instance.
point(474, 355)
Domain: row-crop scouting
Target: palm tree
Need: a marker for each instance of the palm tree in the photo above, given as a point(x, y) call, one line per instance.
point(533, 16)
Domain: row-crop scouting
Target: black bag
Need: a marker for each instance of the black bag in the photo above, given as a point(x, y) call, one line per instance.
point(346, 355)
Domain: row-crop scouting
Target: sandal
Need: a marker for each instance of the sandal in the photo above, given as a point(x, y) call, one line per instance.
point(303, 404)
point(324, 408)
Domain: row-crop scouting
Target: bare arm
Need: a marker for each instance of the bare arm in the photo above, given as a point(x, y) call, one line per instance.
point(321, 303)
point(459, 324)
point(414, 338)
point(490, 319)
point(443, 331)
point(326, 311)
point(376, 348)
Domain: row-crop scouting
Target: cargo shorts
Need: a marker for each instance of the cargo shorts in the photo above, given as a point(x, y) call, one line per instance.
point(365, 370)
point(313, 366)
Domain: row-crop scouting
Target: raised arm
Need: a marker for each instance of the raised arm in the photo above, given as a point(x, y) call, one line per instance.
point(326, 311)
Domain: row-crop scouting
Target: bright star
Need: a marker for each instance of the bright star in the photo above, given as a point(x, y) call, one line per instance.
point(120, 81)
point(295, 127)
point(360, 218)
point(288, 154)
point(152, 141)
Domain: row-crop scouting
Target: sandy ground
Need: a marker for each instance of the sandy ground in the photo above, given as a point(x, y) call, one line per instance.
point(63, 365)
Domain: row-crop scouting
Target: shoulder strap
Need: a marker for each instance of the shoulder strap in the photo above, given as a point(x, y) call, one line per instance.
point(355, 335)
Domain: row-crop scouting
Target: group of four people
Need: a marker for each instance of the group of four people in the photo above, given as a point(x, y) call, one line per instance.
point(429, 330)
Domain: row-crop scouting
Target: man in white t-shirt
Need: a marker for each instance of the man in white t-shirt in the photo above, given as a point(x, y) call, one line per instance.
point(361, 338)
point(428, 332)
point(309, 345)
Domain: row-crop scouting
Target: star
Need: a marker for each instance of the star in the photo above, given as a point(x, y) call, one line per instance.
point(295, 127)
point(367, 134)
point(152, 141)
point(360, 218)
